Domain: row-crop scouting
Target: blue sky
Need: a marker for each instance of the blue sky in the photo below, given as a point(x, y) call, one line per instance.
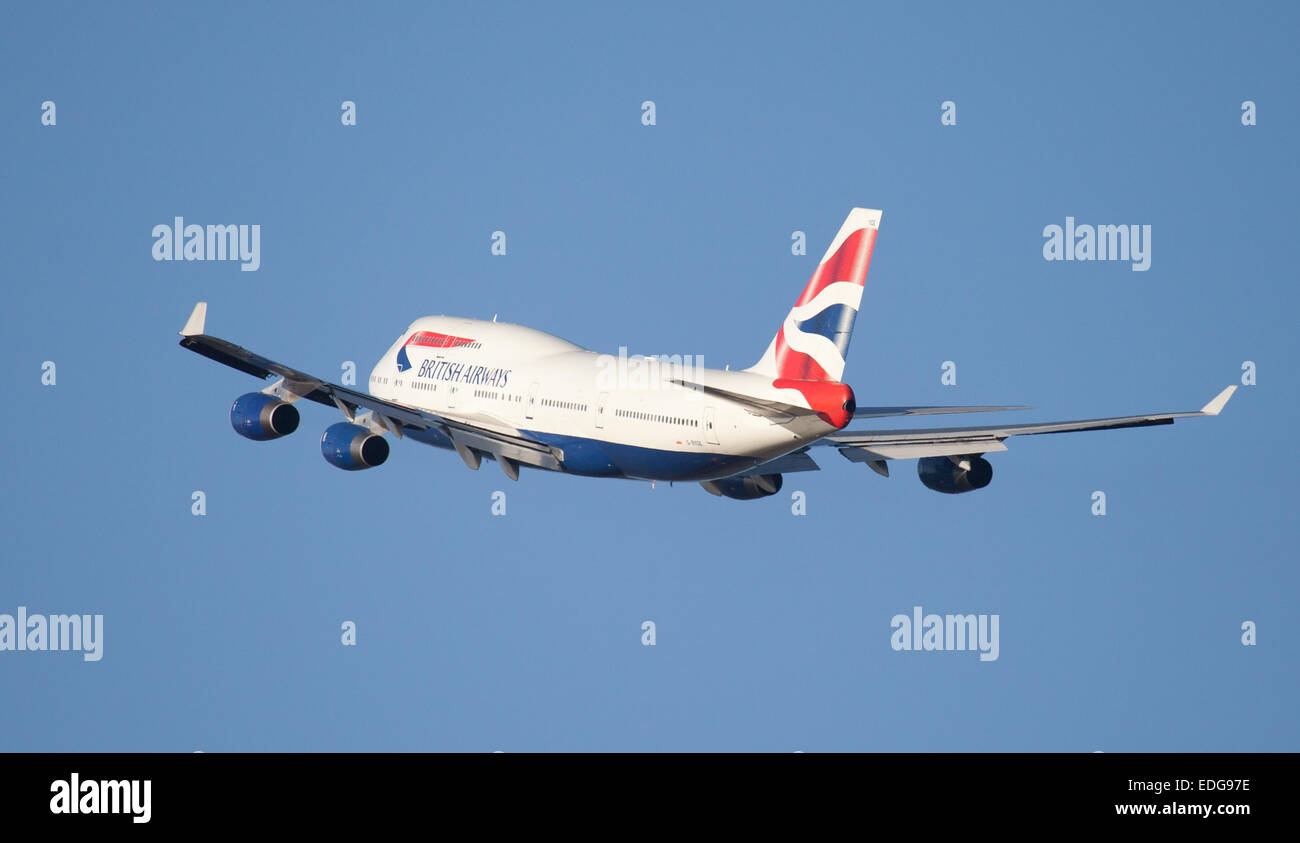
point(523, 632)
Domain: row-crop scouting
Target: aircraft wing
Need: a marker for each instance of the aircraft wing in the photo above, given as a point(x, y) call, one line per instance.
point(505, 444)
point(874, 446)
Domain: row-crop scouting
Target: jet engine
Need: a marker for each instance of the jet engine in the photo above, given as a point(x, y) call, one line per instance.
point(954, 475)
point(352, 447)
point(261, 417)
point(745, 488)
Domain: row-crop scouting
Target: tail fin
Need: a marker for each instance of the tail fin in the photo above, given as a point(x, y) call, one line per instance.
point(814, 339)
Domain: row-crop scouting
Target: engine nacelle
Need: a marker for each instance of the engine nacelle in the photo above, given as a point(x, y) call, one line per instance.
point(261, 417)
point(944, 475)
point(351, 447)
point(745, 488)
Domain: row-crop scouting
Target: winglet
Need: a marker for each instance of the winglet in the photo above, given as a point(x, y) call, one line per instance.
point(1216, 404)
point(194, 327)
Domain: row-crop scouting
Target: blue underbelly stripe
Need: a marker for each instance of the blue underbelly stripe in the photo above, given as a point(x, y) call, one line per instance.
point(598, 458)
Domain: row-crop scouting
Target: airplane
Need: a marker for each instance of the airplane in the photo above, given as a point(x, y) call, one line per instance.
point(527, 399)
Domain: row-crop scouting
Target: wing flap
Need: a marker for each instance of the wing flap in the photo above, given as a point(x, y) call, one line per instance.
point(909, 451)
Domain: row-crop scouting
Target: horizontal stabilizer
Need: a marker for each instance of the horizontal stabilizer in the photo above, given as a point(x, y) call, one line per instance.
point(777, 409)
point(882, 412)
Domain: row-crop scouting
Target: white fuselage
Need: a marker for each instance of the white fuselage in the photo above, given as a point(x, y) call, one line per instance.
point(610, 416)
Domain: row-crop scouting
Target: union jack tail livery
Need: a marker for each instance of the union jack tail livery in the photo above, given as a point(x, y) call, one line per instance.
point(814, 339)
